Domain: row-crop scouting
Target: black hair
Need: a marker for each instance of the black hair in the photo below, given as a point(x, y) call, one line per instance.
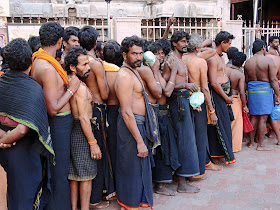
point(59, 53)
point(231, 51)
point(50, 33)
point(74, 28)
point(238, 59)
point(146, 44)
point(70, 31)
point(223, 36)
point(155, 47)
point(72, 57)
point(87, 37)
point(34, 43)
point(177, 36)
point(112, 53)
point(99, 45)
point(166, 45)
point(271, 39)
point(18, 54)
point(258, 45)
point(128, 42)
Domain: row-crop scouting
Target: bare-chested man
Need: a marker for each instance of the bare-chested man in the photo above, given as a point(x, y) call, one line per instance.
point(98, 86)
point(180, 112)
point(113, 60)
point(237, 80)
point(133, 172)
point(53, 79)
point(275, 124)
point(70, 39)
point(261, 78)
point(197, 69)
point(220, 136)
point(273, 45)
point(84, 148)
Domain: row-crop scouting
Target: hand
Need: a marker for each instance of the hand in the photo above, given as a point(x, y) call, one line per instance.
point(171, 20)
point(191, 87)
point(229, 100)
point(142, 150)
point(156, 65)
point(95, 152)
point(74, 83)
point(214, 119)
point(198, 109)
point(245, 109)
point(6, 146)
point(2, 133)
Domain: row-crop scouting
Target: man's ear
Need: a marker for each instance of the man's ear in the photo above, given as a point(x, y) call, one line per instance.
point(73, 68)
point(64, 43)
point(95, 44)
point(124, 56)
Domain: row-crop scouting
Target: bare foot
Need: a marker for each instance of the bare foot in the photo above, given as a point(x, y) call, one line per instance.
point(100, 205)
point(187, 188)
point(250, 145)
point(262, 148)
point(163, 189)
point(213, 167)
point(219, 161)
point(278, 143)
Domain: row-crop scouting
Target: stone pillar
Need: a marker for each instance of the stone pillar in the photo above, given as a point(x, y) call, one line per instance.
point(235, 27)
point(124, 27)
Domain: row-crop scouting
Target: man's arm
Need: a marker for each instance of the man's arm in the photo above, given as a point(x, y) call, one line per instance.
point(12, 136)
point(49, 84)
point(207, 43)
point(152, 80)
point(207, 53)
point(241, 87)
point(273, 80)
point(101, 80)
point(166, 71)
point(212, 76)
point(82, 106)
point(205, 90)
point(171, 20)
point(168, 87)
point(124, 90)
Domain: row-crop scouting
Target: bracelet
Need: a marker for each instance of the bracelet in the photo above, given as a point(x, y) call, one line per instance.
point(212, 112)
point(92, 142)
point(171, 83)
point(70, 91)
point(158, 83)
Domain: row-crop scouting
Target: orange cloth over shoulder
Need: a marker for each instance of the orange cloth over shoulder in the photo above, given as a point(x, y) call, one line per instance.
point(1, 72)
point(42, 54)
point(109, 67)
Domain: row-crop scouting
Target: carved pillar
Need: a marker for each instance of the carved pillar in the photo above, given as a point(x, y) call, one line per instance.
point(235, 27)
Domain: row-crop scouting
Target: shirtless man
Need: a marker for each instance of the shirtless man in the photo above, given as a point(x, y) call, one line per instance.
point(273, 45)
point(84, 148)
point(70, 39)
point(197, 69)
point(220, 93)
point(260, 75)
point(113, 60)
point(53, 79)
point(237, 80)
point(133, 171)
point(98, 86)
point(180, 112)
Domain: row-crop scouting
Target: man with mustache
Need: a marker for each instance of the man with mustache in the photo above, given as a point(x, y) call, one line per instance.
point(133, 166)
point(180, 112)
point(84, 148)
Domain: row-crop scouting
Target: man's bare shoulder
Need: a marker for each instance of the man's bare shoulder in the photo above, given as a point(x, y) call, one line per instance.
point(81, 92)
point(95, 64)
point(124, 74)
point(43, 65)
point(212, 60)
point(143, 69)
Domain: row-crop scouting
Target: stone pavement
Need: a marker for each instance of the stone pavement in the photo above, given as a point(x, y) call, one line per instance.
point(253, 182)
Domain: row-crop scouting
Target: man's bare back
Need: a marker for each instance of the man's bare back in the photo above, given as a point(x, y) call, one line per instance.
point(276, 61)
point(96, 81)
point(111, 79)
point(235, 76)
point(259, 68)
point(53, 86)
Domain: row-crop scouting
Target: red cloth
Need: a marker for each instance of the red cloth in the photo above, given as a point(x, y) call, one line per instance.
point(7, 121)
point(247, 126)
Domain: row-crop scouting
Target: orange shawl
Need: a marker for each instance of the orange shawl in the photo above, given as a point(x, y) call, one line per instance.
point(109, 67)
point(1, 72)
point(42, 54)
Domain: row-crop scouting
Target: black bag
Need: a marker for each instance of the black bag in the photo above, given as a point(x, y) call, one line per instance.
point(150, 117)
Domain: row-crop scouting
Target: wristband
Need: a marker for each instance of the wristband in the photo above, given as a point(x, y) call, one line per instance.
point(171, 83)
point(92, 142)
point(212, 112)
point(158, 83)
point(70, 91)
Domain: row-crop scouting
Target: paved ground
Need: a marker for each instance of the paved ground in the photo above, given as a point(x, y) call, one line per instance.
point(253, 182)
